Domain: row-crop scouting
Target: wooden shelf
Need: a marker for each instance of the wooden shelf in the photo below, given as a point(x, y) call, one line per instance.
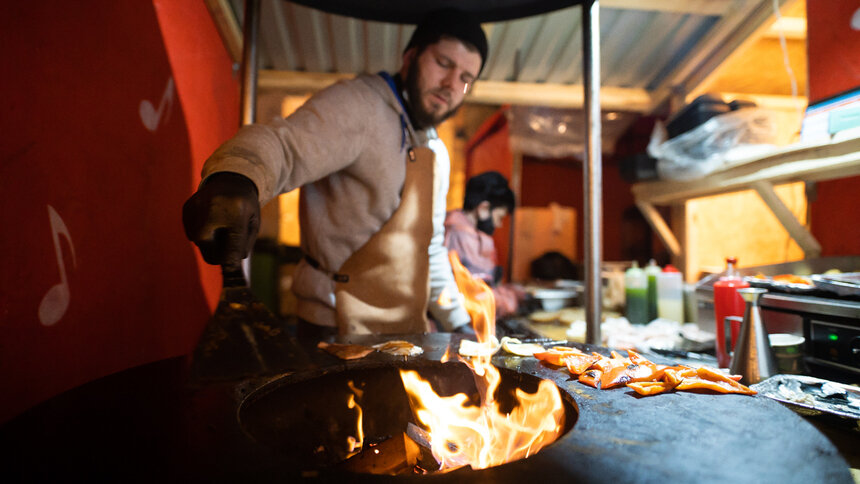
point(837, 158)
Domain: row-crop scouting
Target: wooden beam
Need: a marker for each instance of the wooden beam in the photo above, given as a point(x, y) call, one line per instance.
point(698, 7)
point(559, 95)
point(800, 162)
point(228, 27)
point(793, 28)
point(745, 23)
point(662, 228)
point(292, 82)
point(750, 33)
point(811, 248)
point(484, 92)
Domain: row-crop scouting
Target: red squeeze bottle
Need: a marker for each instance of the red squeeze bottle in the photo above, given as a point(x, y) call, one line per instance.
point(727, 302)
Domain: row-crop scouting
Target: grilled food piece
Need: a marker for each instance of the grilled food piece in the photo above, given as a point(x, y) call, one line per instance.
point(399, 348)
point(345, 351)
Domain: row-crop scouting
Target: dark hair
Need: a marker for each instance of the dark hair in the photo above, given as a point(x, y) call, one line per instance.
point(490, 186)
point(450, 22)
point(552, 266)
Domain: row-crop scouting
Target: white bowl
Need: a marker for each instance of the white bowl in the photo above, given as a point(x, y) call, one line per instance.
point(554, 299)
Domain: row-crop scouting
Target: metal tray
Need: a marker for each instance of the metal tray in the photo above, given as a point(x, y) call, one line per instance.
point(785, 287)
point(847, 284)
point(804, 395)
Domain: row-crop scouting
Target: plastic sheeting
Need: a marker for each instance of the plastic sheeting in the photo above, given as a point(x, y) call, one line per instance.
point(546, 132)
point(721, 142)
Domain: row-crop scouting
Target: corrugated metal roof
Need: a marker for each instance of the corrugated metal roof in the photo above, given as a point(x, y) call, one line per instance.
point(650, 49)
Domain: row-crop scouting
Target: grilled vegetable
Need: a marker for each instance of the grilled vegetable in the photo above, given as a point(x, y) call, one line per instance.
point(556, 354)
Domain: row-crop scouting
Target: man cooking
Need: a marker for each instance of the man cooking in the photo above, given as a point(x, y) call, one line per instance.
point(487, 201)
point(374, 176)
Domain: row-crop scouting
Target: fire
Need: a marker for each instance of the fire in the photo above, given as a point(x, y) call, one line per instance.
point(482, 436)
point(479, 300)
point(355, 444)
point(444, 298)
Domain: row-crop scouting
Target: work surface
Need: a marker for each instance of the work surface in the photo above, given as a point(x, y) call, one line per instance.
point(147, 424)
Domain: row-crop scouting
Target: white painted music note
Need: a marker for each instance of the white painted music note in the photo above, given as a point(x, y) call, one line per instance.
point(150, 116)
point(56, 301)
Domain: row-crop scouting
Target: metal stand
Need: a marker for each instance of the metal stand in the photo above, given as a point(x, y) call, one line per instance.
point(592, 174)
point(248, 107)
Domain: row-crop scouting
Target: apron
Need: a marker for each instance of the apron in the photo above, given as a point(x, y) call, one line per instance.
point(384, 286)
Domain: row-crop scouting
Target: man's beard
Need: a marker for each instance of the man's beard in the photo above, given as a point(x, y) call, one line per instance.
point(420, 117)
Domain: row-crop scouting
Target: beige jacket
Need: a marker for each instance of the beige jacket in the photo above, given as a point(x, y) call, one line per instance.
point(346, 147)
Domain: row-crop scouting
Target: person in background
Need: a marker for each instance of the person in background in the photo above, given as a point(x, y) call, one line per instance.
point(374, 178)
point(487, 201)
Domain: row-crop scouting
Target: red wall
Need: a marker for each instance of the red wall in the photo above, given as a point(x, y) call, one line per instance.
point(208, 93)
point(833, 48)
point(833, 216)
point(102, 143)
point(560, 181)
point(834, 67)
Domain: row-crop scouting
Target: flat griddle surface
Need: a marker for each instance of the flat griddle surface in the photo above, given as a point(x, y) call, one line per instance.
point(148, 424)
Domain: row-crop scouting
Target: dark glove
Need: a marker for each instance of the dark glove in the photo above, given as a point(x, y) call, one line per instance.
point(223, 218)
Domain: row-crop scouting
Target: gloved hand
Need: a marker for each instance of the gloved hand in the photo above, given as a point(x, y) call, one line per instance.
point(223, 218)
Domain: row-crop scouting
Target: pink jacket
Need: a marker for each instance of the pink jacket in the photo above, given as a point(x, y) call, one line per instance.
point(477, 253)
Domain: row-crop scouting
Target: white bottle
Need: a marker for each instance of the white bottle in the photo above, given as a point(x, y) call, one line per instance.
point(670, 294)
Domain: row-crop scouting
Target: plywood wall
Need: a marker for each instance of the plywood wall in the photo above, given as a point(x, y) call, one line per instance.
point(740, 225)
point(288, 203)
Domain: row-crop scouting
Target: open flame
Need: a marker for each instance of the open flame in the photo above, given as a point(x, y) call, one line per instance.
point(482, 436)
point(354, 444)
point(478, 300)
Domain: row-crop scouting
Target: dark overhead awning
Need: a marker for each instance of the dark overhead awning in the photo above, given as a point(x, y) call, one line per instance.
point(410, 12)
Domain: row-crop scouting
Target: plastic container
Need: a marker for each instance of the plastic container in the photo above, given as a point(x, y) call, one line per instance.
point(691, 308)
point(727, 302)
point(636, 295)
point(651, 272)
point(696, 113)
point(670, 294)
point(788, 350)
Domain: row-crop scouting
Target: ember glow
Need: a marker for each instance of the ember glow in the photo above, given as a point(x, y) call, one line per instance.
point(482, 436)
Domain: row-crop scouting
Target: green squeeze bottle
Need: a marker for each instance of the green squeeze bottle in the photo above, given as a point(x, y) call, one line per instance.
point(651, 272)
point(636, 295)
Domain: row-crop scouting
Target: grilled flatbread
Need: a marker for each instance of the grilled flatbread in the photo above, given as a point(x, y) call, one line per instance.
point(345, 351)
point(399, 348)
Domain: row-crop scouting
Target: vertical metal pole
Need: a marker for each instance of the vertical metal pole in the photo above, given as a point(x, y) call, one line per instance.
point(592, 170)
point(248, 108)
point(517, 187)
point(249, 62)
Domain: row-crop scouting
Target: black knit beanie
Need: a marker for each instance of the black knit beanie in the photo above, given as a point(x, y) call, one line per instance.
point(450, 22)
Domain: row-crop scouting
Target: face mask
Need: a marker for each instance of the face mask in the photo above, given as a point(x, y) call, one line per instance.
point(486, 226)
